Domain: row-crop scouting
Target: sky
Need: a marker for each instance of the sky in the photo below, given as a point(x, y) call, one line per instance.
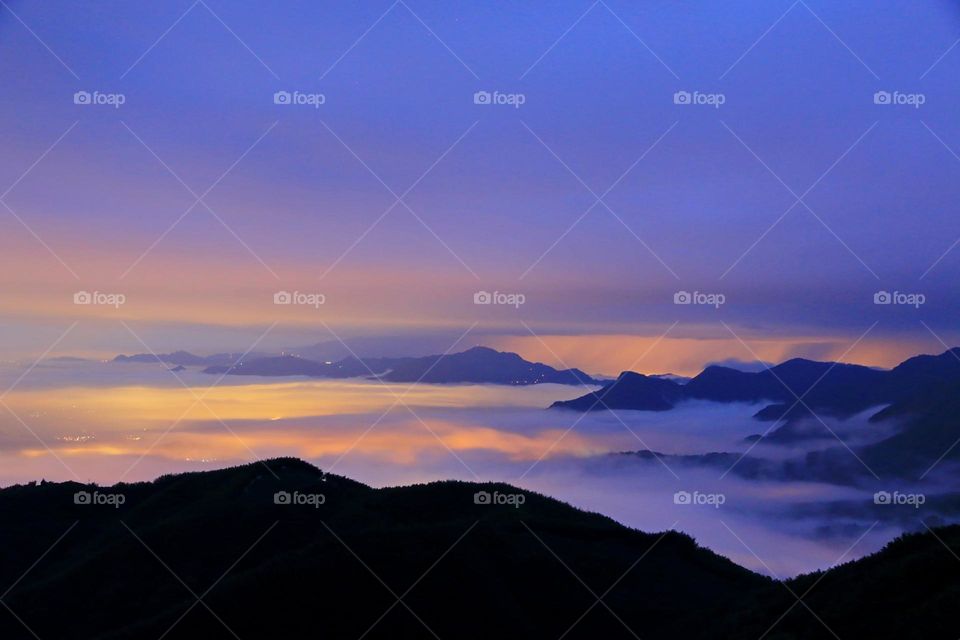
point(607, 185)
point(590, 184)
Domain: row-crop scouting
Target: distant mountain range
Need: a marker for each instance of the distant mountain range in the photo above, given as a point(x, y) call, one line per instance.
point(479, 365)
point(187, 359)
point(917, 430)
point(279, 550)
point(827, 388)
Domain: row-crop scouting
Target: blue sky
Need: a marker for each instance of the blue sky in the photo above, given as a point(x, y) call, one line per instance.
point(501, 196)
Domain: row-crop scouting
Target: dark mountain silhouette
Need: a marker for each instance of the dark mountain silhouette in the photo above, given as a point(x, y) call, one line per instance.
point(827, 388)
point(382, 346)
point(461, 569)
point(629, 391)
point(476, 365)
point(931, 367)
point(929, 432)
point(907, 590)
point(317, 572)
point(722, 384)
point(917, 432)
point(922, 434)
point(482, 364)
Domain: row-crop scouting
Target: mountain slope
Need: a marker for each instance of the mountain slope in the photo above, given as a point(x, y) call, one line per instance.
point(317, 571)
point(482, 364)
point(462, 569)
point(827, 388)
point(909, 589)
point(629, 391)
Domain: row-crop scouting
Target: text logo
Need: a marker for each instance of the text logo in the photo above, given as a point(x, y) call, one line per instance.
point(711, 299)
point(897, 498)
point(715, 100)
point(512, 499)
point(307, 299)
point(299, 499)
point(697, 498)
point(99, 298)
point(896, 98)
point(114, 100)
point(95, 498)
point(497, 297)
point(514, 100)
point(911, 299)
point(298, 98)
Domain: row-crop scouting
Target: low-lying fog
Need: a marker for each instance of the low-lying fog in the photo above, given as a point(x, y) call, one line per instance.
point(105, 422)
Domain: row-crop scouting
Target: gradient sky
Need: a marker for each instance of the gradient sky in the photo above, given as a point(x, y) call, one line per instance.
point(501, 197)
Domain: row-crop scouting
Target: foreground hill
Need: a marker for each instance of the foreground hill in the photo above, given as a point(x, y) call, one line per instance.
point(910, 589)
point(462, 569)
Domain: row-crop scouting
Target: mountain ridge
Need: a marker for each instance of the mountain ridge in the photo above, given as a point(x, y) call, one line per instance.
point(477, 365)
point(332, 568)
point(831, 388)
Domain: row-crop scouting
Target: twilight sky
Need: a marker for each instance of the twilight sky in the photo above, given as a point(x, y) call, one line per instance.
point(797, 199)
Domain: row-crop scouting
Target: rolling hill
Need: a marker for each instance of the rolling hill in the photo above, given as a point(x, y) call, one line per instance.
point(213, 554)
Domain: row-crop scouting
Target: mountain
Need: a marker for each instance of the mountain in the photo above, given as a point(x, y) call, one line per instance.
point(924, 370)
point(629, 391)
point(922, 435)
point(482, 364)
point(477, 365)
point(186, 359)
point(834, 388)
point(419, 561)
point(903, 591)
point(279, 366)
point(382, 346)
point(723, 384)
point(827, 388)
point(928, 434)
point(465, 570)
